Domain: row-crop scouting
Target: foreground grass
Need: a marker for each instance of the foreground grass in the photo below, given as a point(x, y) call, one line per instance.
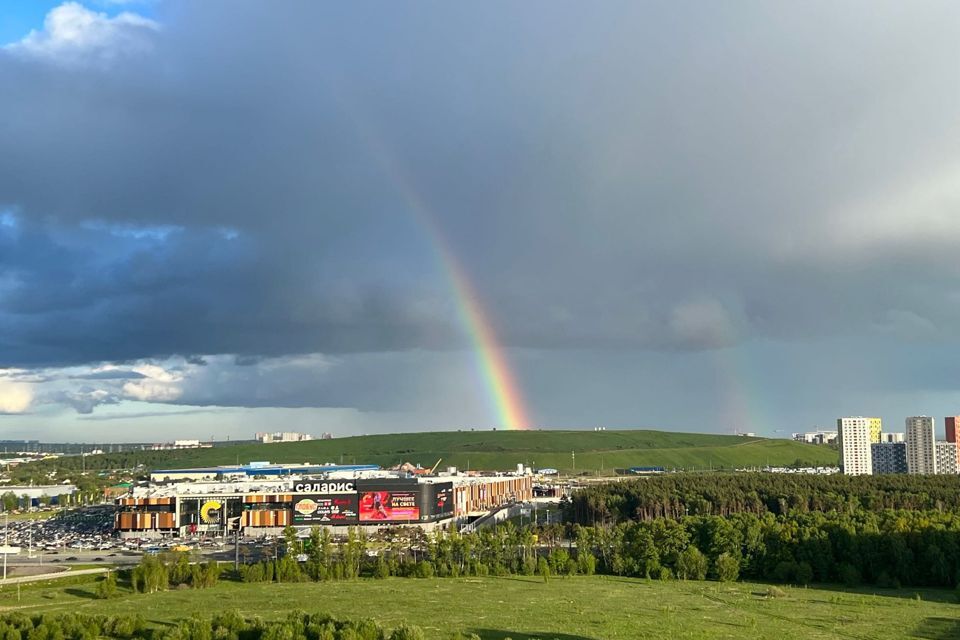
point(580, 608)
point(30, 515)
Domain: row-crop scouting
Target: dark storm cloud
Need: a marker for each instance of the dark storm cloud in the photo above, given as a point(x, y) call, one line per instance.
point(148, 414)
point(683, 176)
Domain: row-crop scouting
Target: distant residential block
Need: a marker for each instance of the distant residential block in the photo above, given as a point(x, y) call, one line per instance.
point(951, 425)
point(889, 457)
point(921, 445)
point(282, 436)
point(947, 458)
point(816, 437)
point(180, 444)
point(855, 442)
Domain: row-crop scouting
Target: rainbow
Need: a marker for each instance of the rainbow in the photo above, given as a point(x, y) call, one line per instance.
point(506, 399)
point(490, 356)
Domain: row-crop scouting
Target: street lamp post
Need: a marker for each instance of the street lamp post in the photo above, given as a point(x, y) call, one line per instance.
point(6, 542)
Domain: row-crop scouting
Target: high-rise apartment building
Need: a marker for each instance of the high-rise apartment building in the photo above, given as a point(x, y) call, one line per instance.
point(892, 436)
point(921, 445)
point(855, 445)
point(946, 457)
point(876, 428)
point(889, 457)
point(951, 425)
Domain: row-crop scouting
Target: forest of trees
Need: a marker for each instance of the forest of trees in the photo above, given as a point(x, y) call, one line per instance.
point(887, 531)
point(888, 549)
point(678, 495)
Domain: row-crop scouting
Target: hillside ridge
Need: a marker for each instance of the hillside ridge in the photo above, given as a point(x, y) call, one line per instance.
point(566, 450)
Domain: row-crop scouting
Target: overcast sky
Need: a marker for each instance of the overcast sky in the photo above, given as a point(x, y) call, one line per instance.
point(686, 215)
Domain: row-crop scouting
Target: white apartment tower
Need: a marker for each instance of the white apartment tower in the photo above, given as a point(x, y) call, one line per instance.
point(855, 445)
point(947, 458)
point(921, 445)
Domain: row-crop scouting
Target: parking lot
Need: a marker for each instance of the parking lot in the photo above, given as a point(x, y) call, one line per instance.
point(85, 535)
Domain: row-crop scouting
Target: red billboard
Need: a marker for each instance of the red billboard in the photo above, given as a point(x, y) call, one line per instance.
point(389, 506)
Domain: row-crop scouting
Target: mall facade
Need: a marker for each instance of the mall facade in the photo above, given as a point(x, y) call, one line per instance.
point(264, 504)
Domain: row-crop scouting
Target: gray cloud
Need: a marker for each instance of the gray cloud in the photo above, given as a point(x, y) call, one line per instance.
point(136, 415)
point(637, 178)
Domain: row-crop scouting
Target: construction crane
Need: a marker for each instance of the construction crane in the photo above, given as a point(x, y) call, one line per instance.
point(434, 468)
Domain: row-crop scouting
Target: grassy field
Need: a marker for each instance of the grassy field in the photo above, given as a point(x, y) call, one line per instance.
point(580, 608)
point(595, 450)
point(30, 515)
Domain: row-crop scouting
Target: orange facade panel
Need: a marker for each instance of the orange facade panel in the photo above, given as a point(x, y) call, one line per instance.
point(132, 521)
point(263, 498)
point(143, 502)
point(266, 518)
point(165, 520)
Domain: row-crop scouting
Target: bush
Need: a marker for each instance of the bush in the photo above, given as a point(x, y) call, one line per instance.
point(728, 567)
point(804, 573)
point(692, 564)
point(849, 575)
point(543, 567)
point(558, 561)
point(529, 566)
point(424, 569)
point(404, 632)
point(885, 581)
point(586, 563)
point(382, 569)
point(107, 588)
point(785, 571)
point(775, 592)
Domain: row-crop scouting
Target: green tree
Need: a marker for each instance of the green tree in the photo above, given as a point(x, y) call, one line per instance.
point(107, 588)
point(727, 567)
point(290, 539)
point(543, 568)
point(9, 500)
point(692, 564)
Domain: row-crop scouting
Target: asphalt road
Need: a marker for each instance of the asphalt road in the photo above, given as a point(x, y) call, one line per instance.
point(119, 557)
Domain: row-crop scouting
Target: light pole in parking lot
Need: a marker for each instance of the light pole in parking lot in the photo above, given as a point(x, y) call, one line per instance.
point(6, 542)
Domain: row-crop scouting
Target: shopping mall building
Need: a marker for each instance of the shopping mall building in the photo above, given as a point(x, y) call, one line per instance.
point(262, 499)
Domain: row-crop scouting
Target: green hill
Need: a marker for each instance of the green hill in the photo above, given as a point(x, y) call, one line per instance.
point(594, 450)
